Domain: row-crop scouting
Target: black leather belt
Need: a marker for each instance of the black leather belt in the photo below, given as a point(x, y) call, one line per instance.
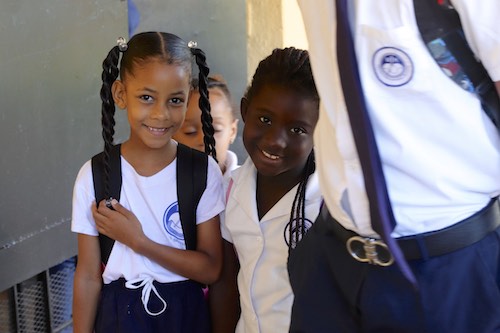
point(425, 245)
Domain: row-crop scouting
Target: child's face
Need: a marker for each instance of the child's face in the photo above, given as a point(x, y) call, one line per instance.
point(155, 96)
point(225, 126)
point(278, 131)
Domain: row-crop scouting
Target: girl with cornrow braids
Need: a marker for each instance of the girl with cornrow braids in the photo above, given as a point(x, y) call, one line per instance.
point(150, 283)
point(272, 198)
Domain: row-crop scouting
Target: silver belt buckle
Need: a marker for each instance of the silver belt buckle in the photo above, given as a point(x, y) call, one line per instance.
point(369, 250)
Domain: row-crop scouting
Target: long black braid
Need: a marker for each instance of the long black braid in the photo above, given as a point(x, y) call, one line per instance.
point(109, 75)
point(290, 68)
point(298, 224)
point(203, 102)
point(142, 47)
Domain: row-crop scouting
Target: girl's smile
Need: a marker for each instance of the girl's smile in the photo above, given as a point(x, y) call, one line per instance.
point(157, 131)
point(270, 156)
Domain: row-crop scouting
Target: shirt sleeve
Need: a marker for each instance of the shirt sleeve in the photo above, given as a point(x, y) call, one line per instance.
point(212, 201)
point(83, 197)
point(480, 23)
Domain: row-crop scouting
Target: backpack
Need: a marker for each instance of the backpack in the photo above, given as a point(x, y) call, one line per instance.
point(191, 183)
point(442, 32)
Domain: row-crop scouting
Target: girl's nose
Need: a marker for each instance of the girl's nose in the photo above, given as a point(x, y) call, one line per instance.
point(160, 112)
point(276, 137)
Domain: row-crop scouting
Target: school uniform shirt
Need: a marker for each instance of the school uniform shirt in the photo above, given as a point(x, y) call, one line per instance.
point(261, 245)
point(154, 201)
point(439, 150)
point(231, 163)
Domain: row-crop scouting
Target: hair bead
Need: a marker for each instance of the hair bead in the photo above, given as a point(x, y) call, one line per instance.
point(122, 44)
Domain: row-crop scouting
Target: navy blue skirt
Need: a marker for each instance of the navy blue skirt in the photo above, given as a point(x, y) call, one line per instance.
point(121, 309)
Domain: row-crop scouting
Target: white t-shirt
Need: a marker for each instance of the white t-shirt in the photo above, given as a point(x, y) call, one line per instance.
point(154, 201)
point(265, 293)
point(439, 150)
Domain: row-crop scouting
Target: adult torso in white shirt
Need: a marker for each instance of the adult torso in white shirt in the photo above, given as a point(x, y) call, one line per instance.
point(439, 150)
point(154, 201)
point(265, 293)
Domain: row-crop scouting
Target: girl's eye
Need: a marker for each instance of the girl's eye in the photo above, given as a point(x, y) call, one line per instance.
point(298, 130)
point(265, 120)
point(146, 98)
point(176, 101)
point(218, 128)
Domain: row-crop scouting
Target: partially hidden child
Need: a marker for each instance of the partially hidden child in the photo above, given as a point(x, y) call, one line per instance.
point(225, 122)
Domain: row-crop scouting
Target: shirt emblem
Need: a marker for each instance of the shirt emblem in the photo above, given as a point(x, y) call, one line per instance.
point(392, 66)
point(172, 222)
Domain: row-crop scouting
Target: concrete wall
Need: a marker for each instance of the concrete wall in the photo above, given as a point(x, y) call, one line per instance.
point(272, 24)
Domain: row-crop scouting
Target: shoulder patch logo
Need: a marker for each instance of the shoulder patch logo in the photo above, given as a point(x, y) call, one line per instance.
point(393, 67)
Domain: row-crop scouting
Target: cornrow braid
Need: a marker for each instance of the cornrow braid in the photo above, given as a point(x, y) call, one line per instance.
point(109, 75)
point(298, 222)
point(204, 104)
point(289, 68)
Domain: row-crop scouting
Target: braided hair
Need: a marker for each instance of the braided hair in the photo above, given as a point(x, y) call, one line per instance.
point(217, 82)
point(142, 47)
point(290, 68)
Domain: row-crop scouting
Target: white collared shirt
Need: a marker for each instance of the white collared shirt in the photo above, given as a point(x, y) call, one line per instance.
point(265, 293)
point(439, 150)
point(231, 163)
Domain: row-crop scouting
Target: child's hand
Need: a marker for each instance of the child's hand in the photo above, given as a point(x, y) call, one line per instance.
point(118, 223)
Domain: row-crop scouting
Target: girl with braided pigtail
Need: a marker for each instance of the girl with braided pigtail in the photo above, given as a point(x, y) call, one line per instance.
point(151, 282)
point(272, 198)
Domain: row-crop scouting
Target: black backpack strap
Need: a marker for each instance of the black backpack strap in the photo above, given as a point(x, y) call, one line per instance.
point(437, 21)
point(191, 183)
point(115, 186)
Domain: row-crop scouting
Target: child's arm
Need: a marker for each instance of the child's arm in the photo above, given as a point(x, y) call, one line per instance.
point(87, 284)
point(202, 265)
point(223, 295)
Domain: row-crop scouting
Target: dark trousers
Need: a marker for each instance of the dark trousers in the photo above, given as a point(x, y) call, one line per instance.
point(120, 309)
point(457, 292)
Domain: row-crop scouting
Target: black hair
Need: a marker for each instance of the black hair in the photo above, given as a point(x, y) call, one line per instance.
point(218, 82)
point(290, 68)
point(142, 47)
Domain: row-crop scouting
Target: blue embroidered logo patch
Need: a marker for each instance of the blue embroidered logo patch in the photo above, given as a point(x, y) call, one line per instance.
point(172, 222)
point(393, 67)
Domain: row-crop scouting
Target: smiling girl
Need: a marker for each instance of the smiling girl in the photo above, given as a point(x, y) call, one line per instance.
point(151, 282)
point(272, 198)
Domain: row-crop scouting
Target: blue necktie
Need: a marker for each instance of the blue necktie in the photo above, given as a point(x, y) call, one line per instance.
point(382, 217)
